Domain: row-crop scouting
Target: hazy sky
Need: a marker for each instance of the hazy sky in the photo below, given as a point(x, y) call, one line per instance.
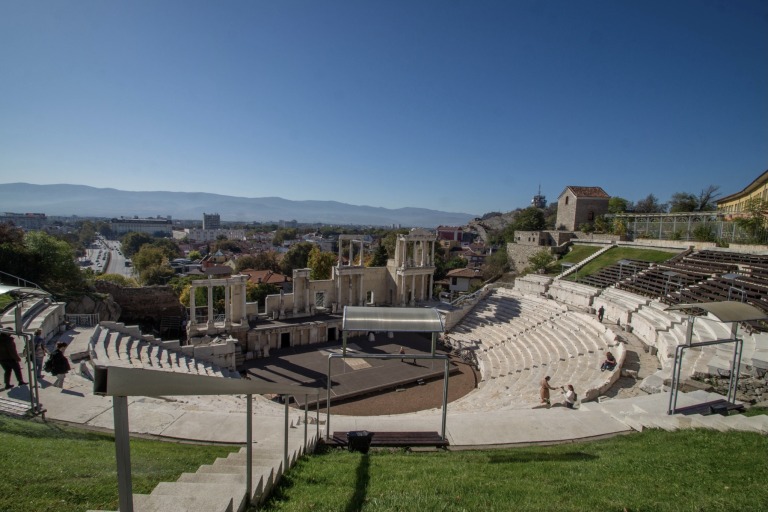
point(451, 105)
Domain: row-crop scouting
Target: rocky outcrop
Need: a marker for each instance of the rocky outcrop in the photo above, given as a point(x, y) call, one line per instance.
point(142, 305)
point(100, 304)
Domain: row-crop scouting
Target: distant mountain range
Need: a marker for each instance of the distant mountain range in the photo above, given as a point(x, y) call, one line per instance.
point(85, 201)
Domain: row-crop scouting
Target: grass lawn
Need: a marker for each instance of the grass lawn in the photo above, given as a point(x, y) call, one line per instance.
point(621, 253)
point(576, 254)
point(50, 467)
point(5, 301)
point(693, 470)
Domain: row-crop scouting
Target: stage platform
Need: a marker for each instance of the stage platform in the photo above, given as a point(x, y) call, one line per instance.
point(351, 377)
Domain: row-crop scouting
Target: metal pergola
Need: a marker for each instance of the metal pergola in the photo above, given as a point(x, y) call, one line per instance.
point(725, 312)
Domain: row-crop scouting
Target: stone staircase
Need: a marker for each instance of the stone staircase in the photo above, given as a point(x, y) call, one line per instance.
point(583, 262)
point(221, 486)
point(650, 411)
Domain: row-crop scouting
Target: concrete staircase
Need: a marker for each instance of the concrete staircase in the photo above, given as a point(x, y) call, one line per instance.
point(221, 486)
point(650, 411)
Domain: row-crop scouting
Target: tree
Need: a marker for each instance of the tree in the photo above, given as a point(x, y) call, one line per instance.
point(258, 292)
point(133, 241)
point(320, 263)
point(650, 205)
point(296, 257)
point(707, 198)
point(379, 258)
point(53, 263)
point(540, 261)
point(754, 221)
point(683, 202)
point(118, 279)
point(194, 255)
point(247, 261)
point(149, 256)
point(158, 274)
point(618, 204)
point(530, 219)
point(495, 264)
point(169, 247)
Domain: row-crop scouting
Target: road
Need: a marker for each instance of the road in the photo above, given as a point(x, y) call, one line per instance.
point(106, 256)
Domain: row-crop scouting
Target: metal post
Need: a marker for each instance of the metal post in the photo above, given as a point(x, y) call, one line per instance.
point(249, 448)
point(123, 453)
point(445, 398)
point(306, 406)
point(286, 398)
point(328, 403)
point(317, 414)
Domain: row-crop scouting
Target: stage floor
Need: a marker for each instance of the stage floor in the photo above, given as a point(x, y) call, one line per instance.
point(351, 377)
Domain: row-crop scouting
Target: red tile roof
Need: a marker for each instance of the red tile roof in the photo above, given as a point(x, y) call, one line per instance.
point(465, 272)
point(264, 276)
point(588, 192)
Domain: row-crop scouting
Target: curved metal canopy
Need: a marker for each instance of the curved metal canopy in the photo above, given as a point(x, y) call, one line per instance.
point(358, 318)
point(726, 311)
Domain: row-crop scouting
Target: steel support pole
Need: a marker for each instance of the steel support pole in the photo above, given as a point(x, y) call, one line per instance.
point(249, 448)
point(286, 398)
point(445, 399)
point(123, 453)
point(306, 407)
point(328, 403)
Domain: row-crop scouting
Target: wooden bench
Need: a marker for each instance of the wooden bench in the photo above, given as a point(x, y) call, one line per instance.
point(392, 439)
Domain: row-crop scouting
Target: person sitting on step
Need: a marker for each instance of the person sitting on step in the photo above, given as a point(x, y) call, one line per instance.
point(609, 363)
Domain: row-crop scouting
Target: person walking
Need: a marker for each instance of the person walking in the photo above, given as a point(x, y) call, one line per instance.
point(544, 391)
point(39, 349)
point(600, 313)
point(9, 360)
point(60, 364)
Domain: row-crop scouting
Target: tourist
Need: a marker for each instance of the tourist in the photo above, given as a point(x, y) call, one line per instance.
point(609, 363)
point(600, 313)
point(59, 364)
point(544, 391)
point(9, 360)
point(39, 348)
point(569, 396)
point(402, 352)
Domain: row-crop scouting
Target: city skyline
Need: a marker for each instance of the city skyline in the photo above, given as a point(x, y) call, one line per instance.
point(453, 107)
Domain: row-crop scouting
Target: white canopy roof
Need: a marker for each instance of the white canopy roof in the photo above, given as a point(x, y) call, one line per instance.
point(376, 319)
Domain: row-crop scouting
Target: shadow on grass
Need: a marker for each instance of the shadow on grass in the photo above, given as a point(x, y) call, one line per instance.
point(34, 429)
point(526, 456)
point(361, 485)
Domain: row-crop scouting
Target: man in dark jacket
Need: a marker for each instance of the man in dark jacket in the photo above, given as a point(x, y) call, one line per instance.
point(9, 360)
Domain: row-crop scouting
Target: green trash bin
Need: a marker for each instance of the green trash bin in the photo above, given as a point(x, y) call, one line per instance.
point(359, 440)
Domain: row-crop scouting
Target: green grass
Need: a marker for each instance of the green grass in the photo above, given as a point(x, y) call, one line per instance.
point(5, 301)
point(621, 253)
point(755, 411)
point(576, 254)
point(693, 470)
point(49, 467)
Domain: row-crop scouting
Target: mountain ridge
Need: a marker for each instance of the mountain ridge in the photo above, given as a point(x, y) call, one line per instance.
point(66, 199)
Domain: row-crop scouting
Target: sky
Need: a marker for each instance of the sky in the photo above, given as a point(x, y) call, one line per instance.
point(456, 106)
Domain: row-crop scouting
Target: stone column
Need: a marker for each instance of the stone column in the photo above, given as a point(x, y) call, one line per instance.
point(362, 291)
point(432, 255)
point(413, 288)
point(431, 285)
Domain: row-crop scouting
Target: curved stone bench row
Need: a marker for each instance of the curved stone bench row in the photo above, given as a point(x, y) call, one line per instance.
point(114, 348)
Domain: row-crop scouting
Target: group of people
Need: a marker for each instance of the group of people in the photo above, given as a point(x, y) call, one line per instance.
point(569, 395)
point(11, 361)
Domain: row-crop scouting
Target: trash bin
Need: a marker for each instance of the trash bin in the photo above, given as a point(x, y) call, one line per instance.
point(721, 409)
point(359, 440)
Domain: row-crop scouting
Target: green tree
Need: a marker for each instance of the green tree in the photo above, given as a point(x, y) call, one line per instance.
point(149, 256)
point(258, 292)
point(320, 263)
point(530, 219)
point(158, 274)
point(169, 247)
point(133, 241)
point(754, 220)
point(683, 202)
point(118, 279)
point(296, 257)
point(650, 204)
point(495, 264)
point(379, 256)
point(618, 204)
point(194, 255)
point(540, 261)
point(53, 262)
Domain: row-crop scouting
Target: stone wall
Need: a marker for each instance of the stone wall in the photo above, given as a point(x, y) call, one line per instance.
point(143, 305)
point(519, 254)
point(95, 304)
